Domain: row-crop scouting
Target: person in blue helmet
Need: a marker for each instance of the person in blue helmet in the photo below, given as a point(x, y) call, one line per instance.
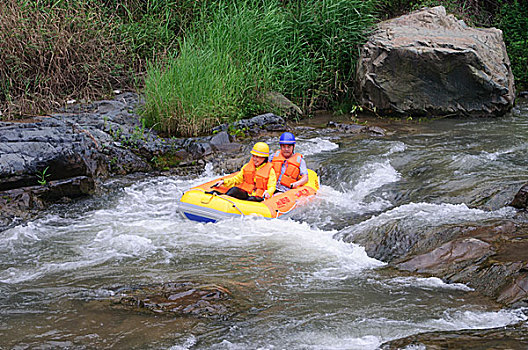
point(289, 166)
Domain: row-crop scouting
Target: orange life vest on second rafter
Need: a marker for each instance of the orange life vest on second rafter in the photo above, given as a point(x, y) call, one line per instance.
point(255, 180)
point(293, 167)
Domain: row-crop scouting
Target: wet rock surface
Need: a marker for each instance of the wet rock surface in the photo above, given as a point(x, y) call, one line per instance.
point(68, 154)
point(491, 258)
point(348, 128)
point(176, 298)
point(520, 201)
point(428, 63)
point(510, 337)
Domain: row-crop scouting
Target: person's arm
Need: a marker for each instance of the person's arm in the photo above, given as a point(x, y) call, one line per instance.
point(304, 175)
point(272, 183)
point(233, 181)
point(302, 181)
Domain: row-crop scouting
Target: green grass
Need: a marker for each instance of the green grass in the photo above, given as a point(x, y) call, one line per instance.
point(513, 21)
point(240, 51)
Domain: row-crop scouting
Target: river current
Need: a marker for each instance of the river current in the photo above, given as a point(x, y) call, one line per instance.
point(296, 283)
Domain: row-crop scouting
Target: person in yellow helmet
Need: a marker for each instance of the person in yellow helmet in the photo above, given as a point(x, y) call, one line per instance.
point(256, 180)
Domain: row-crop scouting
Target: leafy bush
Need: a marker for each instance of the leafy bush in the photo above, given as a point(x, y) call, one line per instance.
point(513, 21)
point(55, 50)
point(151, 28)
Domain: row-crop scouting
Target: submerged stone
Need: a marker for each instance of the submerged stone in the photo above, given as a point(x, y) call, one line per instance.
point(520, 201)
point(178, 298)
point(509, 337)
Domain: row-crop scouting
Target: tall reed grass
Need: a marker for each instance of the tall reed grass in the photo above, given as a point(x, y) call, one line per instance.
point(240, 50)
point(55, 50)
point(217, 73)
point(51, 51)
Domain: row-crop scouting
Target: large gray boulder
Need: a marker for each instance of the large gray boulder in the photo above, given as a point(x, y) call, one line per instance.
point(428, 63)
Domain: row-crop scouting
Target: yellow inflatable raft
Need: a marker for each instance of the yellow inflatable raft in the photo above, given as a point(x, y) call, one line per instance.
point(199, 205)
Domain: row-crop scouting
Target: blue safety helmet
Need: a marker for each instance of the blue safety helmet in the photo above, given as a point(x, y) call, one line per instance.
point(287, 138)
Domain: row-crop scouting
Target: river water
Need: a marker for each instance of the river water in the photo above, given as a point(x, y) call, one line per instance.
point(296, 285)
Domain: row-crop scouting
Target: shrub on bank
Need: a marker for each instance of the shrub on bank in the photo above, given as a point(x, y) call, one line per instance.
point(240, 50)
point(55, 50)
point(151, 28)
point(52, 53)
point(513, 21)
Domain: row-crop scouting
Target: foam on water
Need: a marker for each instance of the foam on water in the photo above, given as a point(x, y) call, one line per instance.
point(289, 241)
point(140, 237)
point(396, 147)
point(329, 341)
point(144, 224)
point(316, 145)
point(372, 176)
point(189, 342)
point(415, 347)
point(311, 341)
point(420, 215)
point(457, 319)
point(464, 161)
point(32, 272)
point(426, 283)
point(345, 335)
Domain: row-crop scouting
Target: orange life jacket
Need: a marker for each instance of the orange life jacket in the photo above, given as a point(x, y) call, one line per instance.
point(293, 167)
point(255, 180)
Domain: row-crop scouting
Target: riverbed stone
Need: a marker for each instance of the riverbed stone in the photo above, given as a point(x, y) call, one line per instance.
point(278, 100)
point(520, 201)
point(428, 63)
point(445, 257)
point(508, 337)
point(93, 141)
point(348, 128)
point(176, 298)
point(267, 122)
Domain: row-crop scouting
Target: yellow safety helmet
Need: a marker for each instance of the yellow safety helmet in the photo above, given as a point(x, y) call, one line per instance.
point(261, 149)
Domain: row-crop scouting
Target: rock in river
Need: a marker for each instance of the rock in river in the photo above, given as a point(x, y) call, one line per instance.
point(176, 298)
point(429, 63)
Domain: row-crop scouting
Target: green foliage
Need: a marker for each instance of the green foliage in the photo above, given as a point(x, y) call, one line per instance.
point(513, 21)
point(393, 8)
point(210, 61)
point(473, 12)
point(56, 50)
point(240, 50)
point(42, 176)
point(151, 28)
point(321, 48)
